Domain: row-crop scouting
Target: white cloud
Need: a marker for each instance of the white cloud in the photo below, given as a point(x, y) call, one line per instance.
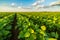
point(13, 4)
point(41, 0)
point(37, 4)
point(19, 7)
point(55, 3)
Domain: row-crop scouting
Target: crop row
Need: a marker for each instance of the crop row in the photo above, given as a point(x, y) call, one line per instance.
point(5, 26)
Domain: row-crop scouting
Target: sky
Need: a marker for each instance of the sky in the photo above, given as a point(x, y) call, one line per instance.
point(29, 5)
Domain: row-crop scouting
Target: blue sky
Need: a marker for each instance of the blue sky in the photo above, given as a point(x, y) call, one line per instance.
point(24, 2)
point(27, 3)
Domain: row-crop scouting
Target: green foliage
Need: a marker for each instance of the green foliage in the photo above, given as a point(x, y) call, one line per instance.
point(45, 26)
point(5, 25)
point(31, 25)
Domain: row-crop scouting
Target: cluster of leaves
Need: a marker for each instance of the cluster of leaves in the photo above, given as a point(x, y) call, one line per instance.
point(38, 27)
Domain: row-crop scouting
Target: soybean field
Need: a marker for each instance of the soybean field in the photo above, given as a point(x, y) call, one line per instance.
point(29, 25)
